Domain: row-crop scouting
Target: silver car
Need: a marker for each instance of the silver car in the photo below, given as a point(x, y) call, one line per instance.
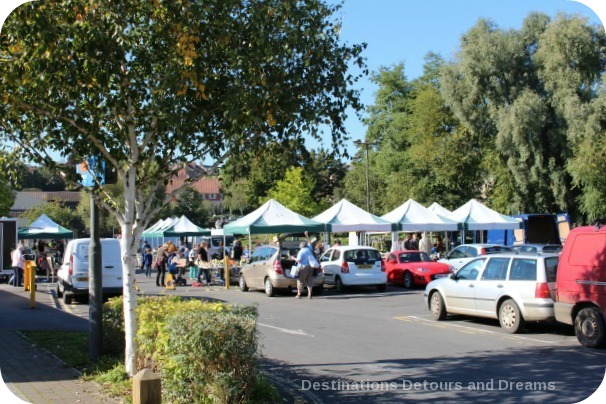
point(513, 288)
point(464, 253)
point(269, 269)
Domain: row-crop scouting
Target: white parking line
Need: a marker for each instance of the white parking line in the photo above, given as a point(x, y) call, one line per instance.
point(286, 330)
point(473, 330)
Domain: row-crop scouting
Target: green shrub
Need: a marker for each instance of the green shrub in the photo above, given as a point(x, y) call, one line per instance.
point(212, 356)
point(113, 327)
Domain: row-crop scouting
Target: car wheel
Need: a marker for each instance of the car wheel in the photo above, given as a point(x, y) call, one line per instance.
point(339, 285)
point(437, 306)
point(381, 288)
point(409, 281)
point(269, 288)
point(589, 328)
point(510, 317)
point(243, 285)
point(59, 291)
point(67, 298)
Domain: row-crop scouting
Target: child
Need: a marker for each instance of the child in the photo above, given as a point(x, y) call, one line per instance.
point(193, 271)
point(147, 262)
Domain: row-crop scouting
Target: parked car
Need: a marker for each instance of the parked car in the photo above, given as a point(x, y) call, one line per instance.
point(464, 253)
point(345, 266)
point(269, 269)
point(414, 268)
point(581, 285)
point(540, 248)
point(72, 277)
point(513, 288)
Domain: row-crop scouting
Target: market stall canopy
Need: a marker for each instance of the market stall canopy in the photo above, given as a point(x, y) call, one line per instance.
point(44, 228)
point(183, 227)
point(273, 217)
point(345, 216)
point(412, 216)
point(439, 209)
point(477, 216)
point(156, 230)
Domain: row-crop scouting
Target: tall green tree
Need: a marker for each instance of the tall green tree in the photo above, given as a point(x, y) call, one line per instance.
point(234, 196)
point(139, 82)
point(295, 192)
point(525, 96)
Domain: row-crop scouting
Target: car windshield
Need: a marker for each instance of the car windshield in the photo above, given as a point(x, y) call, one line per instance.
point(414, 257)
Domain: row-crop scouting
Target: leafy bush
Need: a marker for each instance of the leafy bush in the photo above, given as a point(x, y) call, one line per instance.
point(205, 352)
point(212, 356)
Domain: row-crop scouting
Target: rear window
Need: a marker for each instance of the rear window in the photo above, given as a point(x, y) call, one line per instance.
point(496, 249)
point(551, 268)
point(523, 269)
point(415, 257)
point(362, 256)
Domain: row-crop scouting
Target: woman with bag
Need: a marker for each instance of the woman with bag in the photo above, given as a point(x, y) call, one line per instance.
point(305, 275)
point(160, 264)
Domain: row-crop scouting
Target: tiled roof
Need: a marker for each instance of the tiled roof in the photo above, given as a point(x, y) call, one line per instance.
point(203, 185)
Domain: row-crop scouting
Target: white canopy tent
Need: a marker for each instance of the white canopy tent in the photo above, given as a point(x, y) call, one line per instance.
point(439, 209)
point(476, 216)
point(344, 216)
point(412, 216)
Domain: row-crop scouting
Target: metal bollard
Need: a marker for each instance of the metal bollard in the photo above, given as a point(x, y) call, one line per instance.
point(29, 281)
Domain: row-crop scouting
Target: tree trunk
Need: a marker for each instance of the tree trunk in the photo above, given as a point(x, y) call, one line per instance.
point(128, 246)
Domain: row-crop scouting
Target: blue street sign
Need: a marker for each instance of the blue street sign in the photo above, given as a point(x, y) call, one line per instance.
point(90, 169)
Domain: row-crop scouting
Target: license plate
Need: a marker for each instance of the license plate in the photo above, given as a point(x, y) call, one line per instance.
point(82, 279)
point(364, 266)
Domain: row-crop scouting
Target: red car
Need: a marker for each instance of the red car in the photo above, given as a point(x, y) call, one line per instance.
point(414, 268)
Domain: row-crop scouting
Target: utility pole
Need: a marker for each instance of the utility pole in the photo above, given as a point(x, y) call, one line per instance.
point(366, 145)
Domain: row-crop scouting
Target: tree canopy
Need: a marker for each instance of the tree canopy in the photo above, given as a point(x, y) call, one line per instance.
point(150, 85)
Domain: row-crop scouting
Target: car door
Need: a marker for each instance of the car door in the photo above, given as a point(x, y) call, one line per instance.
point(254, 271)
point(491, 285)
point(459, 291)
point(330, 262)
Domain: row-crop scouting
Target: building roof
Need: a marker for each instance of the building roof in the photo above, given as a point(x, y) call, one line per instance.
point(203, 185)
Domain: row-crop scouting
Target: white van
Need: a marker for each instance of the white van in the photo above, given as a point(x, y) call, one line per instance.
point(72, 278)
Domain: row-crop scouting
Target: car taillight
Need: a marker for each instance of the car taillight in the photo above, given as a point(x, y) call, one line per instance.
point(278, 267)
point(382, 266)
point(344, 267)
point(71, 265)
point(542, 291)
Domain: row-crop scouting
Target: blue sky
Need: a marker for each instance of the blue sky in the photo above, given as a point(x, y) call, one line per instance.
point(404, 31)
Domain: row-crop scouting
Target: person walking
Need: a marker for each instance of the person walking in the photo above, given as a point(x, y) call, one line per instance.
point(147, 262)
point(18, 263)
point(160, 264)
point(305, 257)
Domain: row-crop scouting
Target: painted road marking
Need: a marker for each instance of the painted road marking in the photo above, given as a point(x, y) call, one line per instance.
point(473, 330)
point(286, 330)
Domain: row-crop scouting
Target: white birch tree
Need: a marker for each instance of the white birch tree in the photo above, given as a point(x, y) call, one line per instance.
point(150, 85)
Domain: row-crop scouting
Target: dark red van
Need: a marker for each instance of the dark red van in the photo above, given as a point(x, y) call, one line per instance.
point(581, 284)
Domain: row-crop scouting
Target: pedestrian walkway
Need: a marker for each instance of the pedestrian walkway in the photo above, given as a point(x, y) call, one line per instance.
point(32, 374)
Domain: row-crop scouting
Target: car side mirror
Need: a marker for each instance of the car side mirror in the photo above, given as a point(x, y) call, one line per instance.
point(453, 276)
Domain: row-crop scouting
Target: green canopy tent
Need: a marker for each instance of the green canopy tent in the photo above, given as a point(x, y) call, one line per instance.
point(45, 228)
point(273, 217)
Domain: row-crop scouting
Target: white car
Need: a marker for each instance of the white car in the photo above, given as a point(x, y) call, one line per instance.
point(513, 288)
point(72, 277)
point(345, 266)
point(464, 253)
